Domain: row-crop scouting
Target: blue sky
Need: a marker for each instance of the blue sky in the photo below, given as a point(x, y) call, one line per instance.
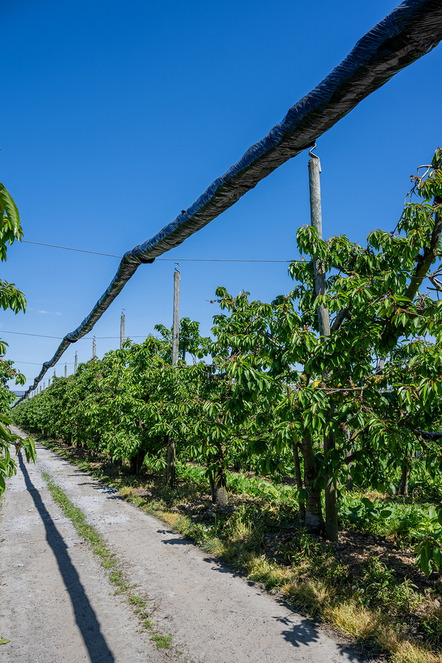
point(116, 116)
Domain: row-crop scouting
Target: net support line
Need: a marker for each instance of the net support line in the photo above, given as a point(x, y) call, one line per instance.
point(410, 31)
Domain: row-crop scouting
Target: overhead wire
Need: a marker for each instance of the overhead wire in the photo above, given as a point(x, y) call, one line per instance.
point(113, 255)
point(89, 338)
point(35, 363)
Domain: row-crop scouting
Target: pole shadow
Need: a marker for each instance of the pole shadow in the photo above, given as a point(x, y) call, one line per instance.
point(85, 616)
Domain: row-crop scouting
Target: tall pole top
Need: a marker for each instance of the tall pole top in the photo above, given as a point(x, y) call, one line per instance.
point(314, 166)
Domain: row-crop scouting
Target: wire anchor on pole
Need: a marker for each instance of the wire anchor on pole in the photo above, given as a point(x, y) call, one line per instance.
point(313, 147)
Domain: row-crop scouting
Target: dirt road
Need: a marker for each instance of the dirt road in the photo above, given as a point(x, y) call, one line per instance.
point(57, 605)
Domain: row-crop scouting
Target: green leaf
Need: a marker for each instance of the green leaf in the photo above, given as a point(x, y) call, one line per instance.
point(423, 557)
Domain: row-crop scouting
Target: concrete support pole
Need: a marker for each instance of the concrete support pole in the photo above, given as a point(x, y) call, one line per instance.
point(94, 348)
point(65, 370)
point(170, 472)
point(122, 328)
point(75, 362)
point(176, 316)
point(314, 168)
point(331, 508)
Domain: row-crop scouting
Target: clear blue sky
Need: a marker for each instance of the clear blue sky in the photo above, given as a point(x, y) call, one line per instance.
point(116, 116)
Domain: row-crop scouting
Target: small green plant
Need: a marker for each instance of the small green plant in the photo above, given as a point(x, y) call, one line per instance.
point(378, 588)
point(364, 513)
point(432, 627)
point(117, 578)
point(162, 641)
point(137, 601)
point(429, 549)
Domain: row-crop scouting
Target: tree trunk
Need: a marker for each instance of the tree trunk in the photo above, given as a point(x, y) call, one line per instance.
point(331, 504)
point(299, 482)
point(405, 477)
point(348, 452)
point(218, 488)
point(170, 472)
point(217, 478)
point(136, 462)
point(314, 521)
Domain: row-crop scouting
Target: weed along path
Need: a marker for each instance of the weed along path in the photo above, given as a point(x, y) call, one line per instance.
point(133, 591)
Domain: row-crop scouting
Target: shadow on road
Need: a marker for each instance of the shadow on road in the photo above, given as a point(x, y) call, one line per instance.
point(299, 634)
point(110, 492)
point(85, 616)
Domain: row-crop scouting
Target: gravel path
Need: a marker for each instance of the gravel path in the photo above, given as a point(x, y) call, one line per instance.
point(57, 605)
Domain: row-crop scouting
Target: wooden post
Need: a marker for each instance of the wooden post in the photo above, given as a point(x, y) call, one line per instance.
point(331, 507)
point(75, 362)
point(122, 328)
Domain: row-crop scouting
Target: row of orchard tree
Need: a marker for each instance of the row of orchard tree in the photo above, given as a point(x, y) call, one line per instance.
point(268, 393)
